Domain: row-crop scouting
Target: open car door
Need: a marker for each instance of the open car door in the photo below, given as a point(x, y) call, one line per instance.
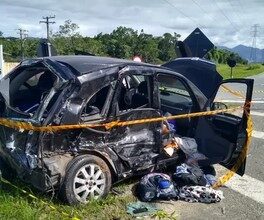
point(222, 137)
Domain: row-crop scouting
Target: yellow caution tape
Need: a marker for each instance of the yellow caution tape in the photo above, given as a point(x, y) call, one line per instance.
point(236, 93)
point(21, 126)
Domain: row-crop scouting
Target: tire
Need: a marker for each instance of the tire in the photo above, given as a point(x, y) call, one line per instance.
point(87, 177)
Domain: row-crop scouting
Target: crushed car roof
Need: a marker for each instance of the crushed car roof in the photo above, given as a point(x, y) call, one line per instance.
point(85, 64)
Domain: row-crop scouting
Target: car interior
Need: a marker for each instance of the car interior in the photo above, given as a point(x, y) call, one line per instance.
point(29, 88)
point(175, 100)
point(133, 93)
point(174, 96)
point(94, 107)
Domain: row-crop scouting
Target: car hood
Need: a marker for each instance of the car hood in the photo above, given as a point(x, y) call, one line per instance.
point(200, 72)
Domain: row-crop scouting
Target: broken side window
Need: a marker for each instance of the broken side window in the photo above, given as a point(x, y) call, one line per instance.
point(133, 92)
point(95, 105)
point(29, 88)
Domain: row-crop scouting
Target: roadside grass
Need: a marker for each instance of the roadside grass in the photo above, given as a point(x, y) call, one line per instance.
point(16, 205)
point(240, 71)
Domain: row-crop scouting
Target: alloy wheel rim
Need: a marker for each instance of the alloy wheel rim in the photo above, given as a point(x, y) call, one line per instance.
point(89, 183)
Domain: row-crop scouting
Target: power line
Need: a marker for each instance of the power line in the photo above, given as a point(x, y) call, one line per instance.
point(48, 22)
point(22, 35)
point(227, 18)
point(241, 6)
point(204, 11)
point(253, 51)
point(181, 12)
point(234, 9)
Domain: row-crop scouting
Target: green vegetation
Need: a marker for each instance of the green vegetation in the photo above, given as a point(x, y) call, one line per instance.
point(16, 205)
point(240, 71)
point(123, 42)
point(221, 56)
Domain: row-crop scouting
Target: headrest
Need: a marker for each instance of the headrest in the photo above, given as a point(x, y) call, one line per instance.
point(143, 87)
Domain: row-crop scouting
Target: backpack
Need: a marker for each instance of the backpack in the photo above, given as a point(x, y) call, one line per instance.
point(155, 186)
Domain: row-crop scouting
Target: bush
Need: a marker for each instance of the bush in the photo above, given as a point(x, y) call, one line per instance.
point(253, 67)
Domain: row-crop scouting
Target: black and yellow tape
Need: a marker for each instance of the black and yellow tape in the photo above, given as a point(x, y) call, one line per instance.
point(21, 125)
point(236, 93)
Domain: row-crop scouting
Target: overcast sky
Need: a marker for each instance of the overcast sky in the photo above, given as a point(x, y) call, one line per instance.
point(225, 22)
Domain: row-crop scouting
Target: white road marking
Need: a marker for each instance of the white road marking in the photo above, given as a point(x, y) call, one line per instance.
point(257, 113)
point(247, 186)
point(258, 134)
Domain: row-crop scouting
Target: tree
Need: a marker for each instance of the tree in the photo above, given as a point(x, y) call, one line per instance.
point(1, 34)
point(68, 29)
point(167, 46)
point(67, 34)
point(120, 42)
point(147, 47)
point(221, 56)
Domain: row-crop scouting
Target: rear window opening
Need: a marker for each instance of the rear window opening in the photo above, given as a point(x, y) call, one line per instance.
point(30, 87)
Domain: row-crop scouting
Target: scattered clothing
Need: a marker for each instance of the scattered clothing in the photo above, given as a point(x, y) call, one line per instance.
point(191, 185)
point(156, 186)
point(209, 170)
point(210, 179)
point(141, 209)
point(189, 147)
point(200, 194)
point(189, 176)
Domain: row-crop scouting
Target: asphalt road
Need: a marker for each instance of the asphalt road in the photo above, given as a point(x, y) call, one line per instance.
point(244, 196)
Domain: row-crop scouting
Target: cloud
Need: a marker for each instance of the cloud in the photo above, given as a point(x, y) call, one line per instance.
point(225, 22)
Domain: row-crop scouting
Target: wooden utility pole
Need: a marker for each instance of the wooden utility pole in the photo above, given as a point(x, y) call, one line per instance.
point(48, 22)
point(22, 35)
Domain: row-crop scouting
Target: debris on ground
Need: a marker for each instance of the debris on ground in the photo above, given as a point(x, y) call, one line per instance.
point(141, 209)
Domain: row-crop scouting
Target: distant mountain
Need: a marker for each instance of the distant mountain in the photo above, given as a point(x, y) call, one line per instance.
point(244, 52)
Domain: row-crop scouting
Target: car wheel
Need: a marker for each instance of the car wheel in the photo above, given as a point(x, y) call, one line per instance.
point(87, 177)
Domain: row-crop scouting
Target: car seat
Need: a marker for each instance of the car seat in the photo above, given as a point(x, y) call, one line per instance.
point(141, 97)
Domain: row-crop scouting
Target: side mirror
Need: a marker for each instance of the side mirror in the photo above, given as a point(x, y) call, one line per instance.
point(219, 106)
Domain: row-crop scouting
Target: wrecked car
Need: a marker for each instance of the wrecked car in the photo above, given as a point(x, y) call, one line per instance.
point(84, 163)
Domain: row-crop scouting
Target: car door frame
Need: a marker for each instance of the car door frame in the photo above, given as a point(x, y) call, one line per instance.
point(241, 135)
point(116, 134)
